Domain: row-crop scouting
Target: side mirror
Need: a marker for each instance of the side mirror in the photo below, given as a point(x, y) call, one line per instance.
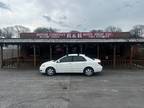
point(57, 61)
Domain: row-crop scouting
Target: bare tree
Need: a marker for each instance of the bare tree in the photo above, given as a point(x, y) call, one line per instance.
point(20, 29)
point(113, 29)
point(74, 31)
point(99, 30)
point(1, 35)
point(13, 31)
point(137, 31)
point(44, 30)
point(7, 32)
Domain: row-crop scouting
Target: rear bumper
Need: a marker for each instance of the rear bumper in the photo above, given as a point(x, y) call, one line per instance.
point(99, 68)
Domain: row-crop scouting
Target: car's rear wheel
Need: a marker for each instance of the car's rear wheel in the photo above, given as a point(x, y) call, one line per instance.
point(50, 71)
point(88, 71)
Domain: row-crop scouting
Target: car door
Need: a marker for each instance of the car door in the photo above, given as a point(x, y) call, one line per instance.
point(78, 64)
point(64, 65)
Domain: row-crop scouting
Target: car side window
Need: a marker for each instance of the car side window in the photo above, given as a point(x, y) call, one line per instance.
point(78, 58)
point(66, 59)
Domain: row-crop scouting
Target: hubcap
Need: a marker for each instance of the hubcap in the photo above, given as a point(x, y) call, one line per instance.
point(88, 72)
point(50, 71)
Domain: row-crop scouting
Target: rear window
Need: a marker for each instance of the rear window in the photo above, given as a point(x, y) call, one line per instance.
point(78, 58)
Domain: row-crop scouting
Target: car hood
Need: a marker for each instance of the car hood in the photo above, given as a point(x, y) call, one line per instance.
point(52, 61)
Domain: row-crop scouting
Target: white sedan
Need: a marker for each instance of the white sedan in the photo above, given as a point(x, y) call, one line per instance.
point(72, 63)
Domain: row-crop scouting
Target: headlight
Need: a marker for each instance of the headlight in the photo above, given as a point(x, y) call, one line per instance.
point(43, 65)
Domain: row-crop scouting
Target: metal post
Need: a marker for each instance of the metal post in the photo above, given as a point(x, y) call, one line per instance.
point(34, 54)
point(81, 49)
point(50, 48)
point(1, 57)
point(18, 55)
point(98, 51)
point(67, 49)
point(114, 56)
point(131, 55)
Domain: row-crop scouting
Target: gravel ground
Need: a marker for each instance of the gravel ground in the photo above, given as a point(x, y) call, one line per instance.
point(112, 89)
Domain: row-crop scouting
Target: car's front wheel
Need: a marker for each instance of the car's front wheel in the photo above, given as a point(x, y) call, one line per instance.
point(88, 71)
point(50, 71)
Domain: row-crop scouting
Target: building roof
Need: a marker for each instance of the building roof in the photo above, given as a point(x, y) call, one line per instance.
point(50, 41)
point(78, 37)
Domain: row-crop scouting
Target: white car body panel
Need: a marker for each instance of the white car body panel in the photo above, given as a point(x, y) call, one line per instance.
point(78, 67)
point(72, 67)
point(62, 67)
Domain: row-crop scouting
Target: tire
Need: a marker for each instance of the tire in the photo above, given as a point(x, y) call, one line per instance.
point(50, 71)
point(88, 71)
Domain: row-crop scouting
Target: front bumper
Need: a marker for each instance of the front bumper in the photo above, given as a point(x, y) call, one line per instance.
point(42, 70)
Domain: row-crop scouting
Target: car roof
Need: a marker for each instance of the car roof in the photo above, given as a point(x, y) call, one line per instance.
point(76, 55)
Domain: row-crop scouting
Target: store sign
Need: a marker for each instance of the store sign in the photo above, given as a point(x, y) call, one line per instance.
point(77, 35)
point(74, 35)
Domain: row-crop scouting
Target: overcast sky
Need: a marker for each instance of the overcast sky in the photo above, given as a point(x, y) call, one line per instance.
point(65, 15)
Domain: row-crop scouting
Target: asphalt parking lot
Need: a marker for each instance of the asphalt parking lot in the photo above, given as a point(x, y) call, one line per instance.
point(112, 89)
